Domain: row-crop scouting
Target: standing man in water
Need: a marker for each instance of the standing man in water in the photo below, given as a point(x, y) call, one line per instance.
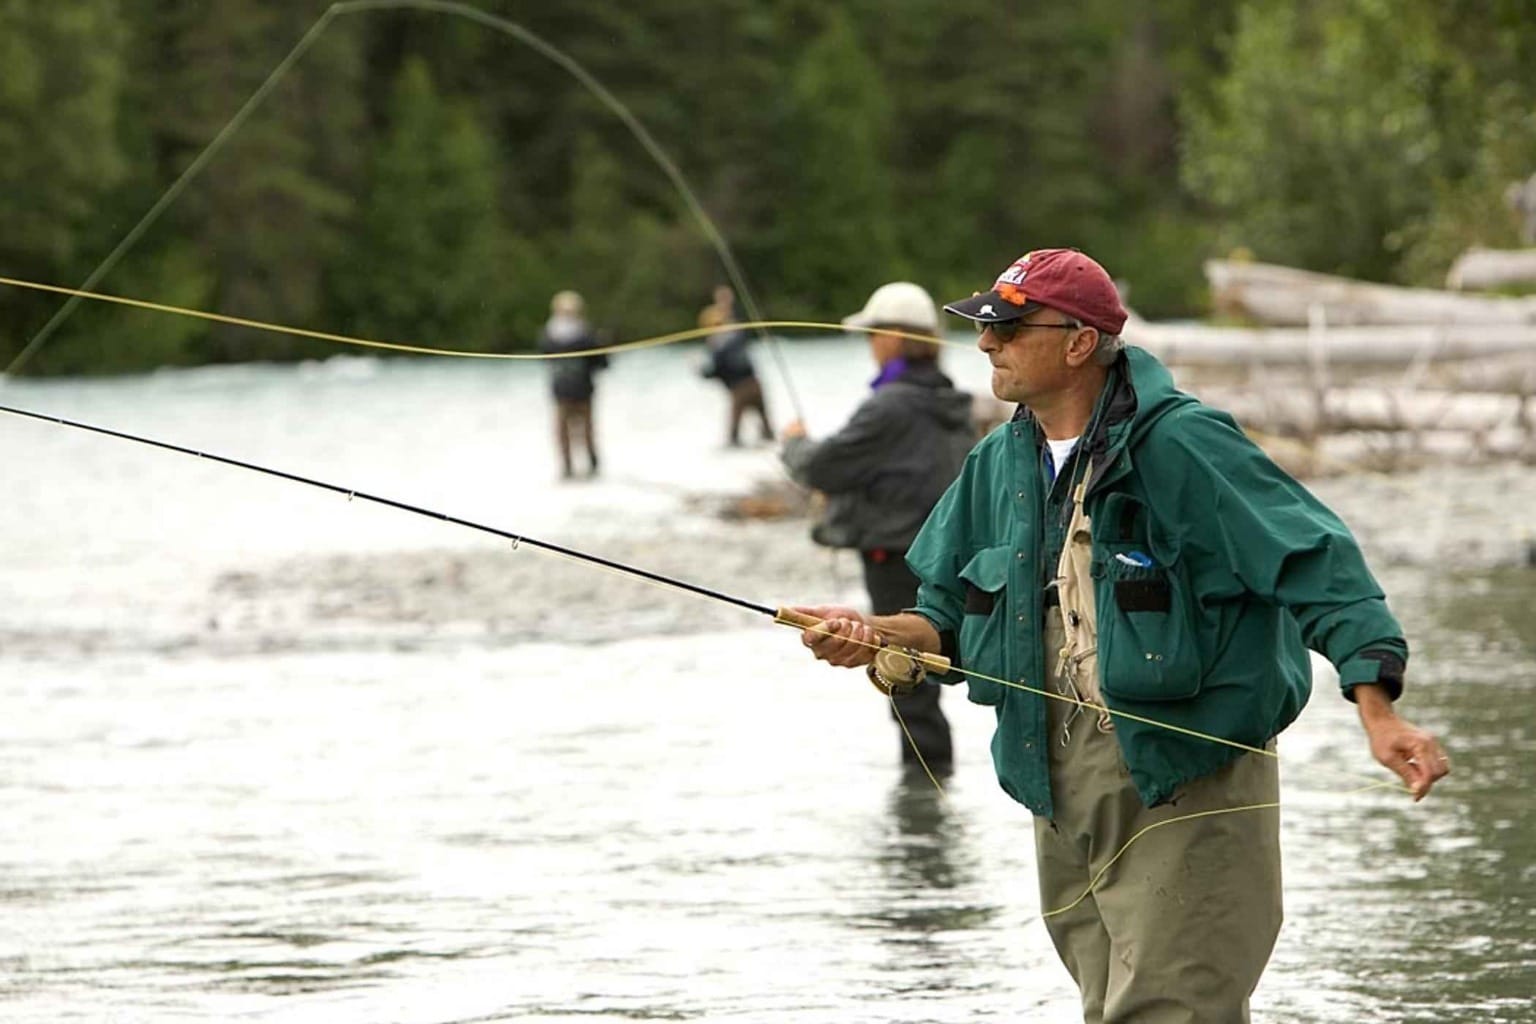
point(729, 362)
point(571, 378)
point(884, 471)
point(1139, 585)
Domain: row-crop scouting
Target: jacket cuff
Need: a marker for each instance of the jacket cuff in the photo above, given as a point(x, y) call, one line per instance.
point(793, 454)
point(1373, 665)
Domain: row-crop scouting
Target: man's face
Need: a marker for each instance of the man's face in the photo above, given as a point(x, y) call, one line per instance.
point(884, 346)
point(1033, 361)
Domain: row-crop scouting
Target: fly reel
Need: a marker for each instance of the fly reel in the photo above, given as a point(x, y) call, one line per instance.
point(896, 671)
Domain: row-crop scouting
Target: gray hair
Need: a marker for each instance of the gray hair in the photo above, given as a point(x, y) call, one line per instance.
point(1110, 345)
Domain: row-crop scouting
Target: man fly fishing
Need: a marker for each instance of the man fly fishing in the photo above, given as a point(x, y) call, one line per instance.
point(1146, 582)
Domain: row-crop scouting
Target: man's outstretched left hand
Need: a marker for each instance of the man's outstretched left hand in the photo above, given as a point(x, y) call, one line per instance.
point(1413, 753)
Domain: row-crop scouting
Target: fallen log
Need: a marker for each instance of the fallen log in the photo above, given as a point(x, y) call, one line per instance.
point(1199, 344)
point(1492, 268)
point(1296, 411)
point(1271, 294)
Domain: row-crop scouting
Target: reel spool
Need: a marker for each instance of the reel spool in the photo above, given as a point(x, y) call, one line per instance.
point(896, 671)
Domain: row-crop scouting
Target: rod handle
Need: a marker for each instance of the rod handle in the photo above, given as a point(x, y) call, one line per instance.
point(790, 617)
point(935, 663)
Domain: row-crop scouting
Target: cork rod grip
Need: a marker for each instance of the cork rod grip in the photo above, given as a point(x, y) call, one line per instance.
point(790, 617)
point(935, 663)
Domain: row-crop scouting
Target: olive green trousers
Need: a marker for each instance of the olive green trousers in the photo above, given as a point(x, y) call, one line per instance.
point(1179, 924)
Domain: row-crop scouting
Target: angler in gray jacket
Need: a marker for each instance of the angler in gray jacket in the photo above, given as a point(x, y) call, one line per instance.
point(884, 471)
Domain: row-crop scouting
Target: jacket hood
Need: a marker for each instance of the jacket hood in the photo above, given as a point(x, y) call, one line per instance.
point(1138, 393)
point(949, 407)
point(1151, 388)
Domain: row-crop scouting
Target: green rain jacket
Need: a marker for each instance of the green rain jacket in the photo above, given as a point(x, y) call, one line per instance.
point(1230, 570)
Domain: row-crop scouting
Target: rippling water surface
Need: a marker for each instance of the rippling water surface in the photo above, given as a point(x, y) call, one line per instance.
point(267, 755)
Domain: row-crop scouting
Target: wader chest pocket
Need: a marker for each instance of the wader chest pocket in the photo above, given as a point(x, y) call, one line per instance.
point(1147, 647)
point(983, 637)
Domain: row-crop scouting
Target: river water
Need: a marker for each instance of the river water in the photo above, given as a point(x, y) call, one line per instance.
point(270, 755)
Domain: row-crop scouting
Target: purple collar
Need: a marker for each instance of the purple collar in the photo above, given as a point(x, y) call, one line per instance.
point(889, 372)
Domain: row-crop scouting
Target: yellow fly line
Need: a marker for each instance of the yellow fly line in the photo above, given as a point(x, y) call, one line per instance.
point(1116, 713)
point(1086, 705)
point(441, 7)
point(393, 346)
point(1372, 784)
point(1369, 783)
point(755, 323)
point(969, 673)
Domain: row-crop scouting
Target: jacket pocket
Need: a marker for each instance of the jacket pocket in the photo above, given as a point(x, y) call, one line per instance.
point(1147, 646)
point(983, 630)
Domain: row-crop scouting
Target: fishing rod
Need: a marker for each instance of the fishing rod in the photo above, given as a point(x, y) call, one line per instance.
point(894, 671)
point(897, 669)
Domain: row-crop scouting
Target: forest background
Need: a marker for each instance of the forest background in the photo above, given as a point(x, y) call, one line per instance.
point(416, 177)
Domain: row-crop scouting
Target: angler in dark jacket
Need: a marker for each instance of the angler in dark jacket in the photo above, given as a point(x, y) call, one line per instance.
point(1134, 587)
point(571, 377)
point(728, 360)
point(887, 467)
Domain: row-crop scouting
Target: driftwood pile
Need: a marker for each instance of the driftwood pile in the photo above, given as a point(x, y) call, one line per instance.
point(1283, 296)
point(1361, 375)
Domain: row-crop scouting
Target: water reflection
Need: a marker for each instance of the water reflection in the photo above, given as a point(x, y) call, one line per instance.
point(929, 870)
point(917, 855)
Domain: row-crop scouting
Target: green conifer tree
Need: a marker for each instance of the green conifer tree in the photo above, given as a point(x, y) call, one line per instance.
point(423, 266)
point(1324, 138)
point(836, 234)
point(61, 75)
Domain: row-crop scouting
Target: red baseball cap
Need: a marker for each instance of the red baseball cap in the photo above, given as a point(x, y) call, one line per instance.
point(1063, 279)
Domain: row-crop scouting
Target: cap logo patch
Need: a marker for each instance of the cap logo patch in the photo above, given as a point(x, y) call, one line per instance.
point(987, 310)
point(1015, 274)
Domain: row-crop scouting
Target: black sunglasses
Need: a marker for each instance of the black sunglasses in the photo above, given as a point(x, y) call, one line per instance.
point(1006, 330)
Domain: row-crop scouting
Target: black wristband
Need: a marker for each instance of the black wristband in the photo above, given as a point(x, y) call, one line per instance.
point(1389, 670)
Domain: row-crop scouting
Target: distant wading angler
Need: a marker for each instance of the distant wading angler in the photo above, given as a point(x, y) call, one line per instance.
point(1125, 549)
point(729, 362)
point(571, 379)
point(883, 472)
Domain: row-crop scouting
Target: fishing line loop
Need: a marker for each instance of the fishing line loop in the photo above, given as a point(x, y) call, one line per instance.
point(1104, 870)
point(503, 25)
point(656, 341)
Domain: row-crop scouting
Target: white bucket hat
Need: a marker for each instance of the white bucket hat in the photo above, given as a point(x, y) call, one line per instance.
point(898, 304)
